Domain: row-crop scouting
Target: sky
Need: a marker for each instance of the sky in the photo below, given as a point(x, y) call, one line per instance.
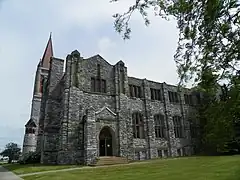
point(77, 24)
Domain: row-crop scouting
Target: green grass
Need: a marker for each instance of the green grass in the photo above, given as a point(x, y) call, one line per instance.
point(194, 168)
point(29, 168)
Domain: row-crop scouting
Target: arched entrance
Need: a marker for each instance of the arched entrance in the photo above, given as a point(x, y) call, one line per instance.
point(105, 142)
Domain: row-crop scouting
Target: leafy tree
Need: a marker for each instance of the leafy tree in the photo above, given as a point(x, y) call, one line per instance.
point(219, 116)
point(208, 33)
point(12, 151)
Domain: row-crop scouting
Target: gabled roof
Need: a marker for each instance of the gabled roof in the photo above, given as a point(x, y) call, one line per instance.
point(98, 57)
point(31, 123)
point(48, 53)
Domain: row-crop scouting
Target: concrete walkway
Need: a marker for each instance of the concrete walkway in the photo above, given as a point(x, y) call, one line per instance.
point(8, 175)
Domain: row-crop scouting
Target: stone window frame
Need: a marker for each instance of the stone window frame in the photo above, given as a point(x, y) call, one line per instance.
point(174, 97)
point(193, 129)
point(135, 91)
point(188, 99)
point(98, 85)
point(159, 125)
point(156, 94)
point(164, 152)
point(138, 125)
point(43, 80)
point(159, 153)
point(179, 152)
point(178, 127)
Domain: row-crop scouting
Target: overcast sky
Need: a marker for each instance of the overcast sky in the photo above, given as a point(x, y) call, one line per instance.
point(85, 25)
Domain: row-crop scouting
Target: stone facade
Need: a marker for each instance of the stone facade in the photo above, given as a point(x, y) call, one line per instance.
point(73, 115)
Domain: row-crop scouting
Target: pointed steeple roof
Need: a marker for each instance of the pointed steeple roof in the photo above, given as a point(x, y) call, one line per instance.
point(48, 53)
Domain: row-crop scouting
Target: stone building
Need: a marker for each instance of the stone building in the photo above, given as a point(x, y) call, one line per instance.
point(93, 108)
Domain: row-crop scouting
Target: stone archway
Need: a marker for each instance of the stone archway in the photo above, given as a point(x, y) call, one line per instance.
point(106, 142)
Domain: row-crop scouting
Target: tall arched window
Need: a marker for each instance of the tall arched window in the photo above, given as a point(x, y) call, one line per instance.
point(159, 126)
point(138, 125)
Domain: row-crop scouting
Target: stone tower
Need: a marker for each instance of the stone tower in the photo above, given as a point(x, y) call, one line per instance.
point(31, 127)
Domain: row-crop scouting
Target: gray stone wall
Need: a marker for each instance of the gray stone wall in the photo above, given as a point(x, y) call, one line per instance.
point(87, 68)
point(75, 116)
point(53, 111)
point(29, 143)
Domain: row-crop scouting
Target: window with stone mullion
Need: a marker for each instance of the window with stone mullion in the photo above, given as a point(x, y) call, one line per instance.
point(130, 91)
point(141, 122)
point(177, 127)
point(176, 97)
point(173, 97)
point(188, 99)
point(98, 85)
point(103, 86)
point(193, 130)
point(138, 127)
point(93, 88)
point(135, 91)
point(152, 93)
point(159, 126)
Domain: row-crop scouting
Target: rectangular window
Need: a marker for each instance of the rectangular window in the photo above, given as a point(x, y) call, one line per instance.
point(179, 152)
point(139, 92)
point(130, 91)
point(188, 99)
point(159, 126)
point(178, 130)
point(138, 126)
point(41, 83)
point(198, 98)
point(103, 86)
point(184, 153)
point(173, 97)
point(122, 79)
point(159, 153)
point(193, 130)
point(156, 94)
point(152, 94)
point(135, 91)
point(98, 85)
point(93, 89)
point(165, 152)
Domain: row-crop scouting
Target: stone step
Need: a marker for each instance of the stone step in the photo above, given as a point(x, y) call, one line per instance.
point(111, 160)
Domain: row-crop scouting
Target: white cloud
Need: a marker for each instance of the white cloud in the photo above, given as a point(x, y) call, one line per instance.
point(105, 44)
point(107, 49)
point(91, 13)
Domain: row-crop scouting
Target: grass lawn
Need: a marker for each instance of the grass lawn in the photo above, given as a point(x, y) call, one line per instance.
point(29, 168)
point(193, 168)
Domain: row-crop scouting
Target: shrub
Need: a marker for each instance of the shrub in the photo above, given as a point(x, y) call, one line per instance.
point(30, 158)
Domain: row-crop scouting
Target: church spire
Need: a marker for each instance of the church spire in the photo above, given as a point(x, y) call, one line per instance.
point(48, 53)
